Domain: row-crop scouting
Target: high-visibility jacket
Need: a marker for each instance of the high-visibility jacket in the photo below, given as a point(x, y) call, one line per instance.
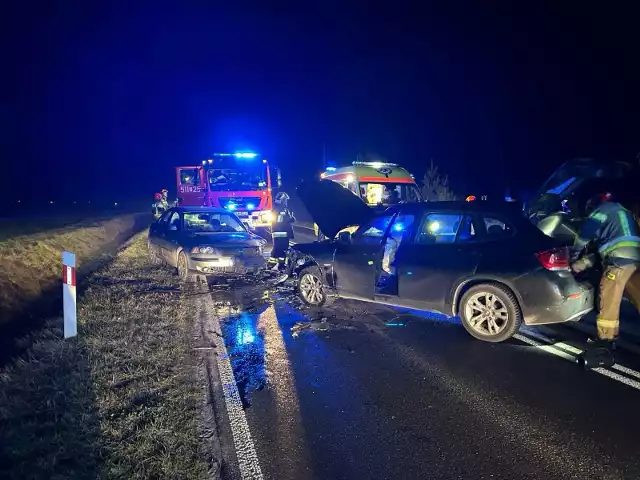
point(613, 230)
point(283, 220)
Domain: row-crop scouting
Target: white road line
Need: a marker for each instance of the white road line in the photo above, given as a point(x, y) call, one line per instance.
point(576, 351)
point(546, 348)
point(245, 449)
point(590, 330)
point(559, 351)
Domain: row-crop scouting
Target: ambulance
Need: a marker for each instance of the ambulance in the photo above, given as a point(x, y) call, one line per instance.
point(378, 184)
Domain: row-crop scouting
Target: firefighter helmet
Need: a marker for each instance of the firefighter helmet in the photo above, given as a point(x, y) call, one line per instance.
point(470, 198)
point(164, 190)
point(157, 196)
point(596, 200)
point(282, 198)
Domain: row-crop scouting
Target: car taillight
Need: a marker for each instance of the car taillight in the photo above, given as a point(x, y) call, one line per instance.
point(554, 259)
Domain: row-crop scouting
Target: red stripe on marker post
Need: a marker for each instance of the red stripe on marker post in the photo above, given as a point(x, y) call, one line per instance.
point(69, 275)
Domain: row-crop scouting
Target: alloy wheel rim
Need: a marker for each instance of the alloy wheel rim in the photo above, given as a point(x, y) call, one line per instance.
point(311, 288)
point(486, 314)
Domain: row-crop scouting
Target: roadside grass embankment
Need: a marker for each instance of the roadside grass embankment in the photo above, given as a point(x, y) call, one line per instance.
point(119, 401)
point(31, 269)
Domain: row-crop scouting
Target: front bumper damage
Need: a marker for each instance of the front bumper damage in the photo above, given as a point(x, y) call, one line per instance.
point(237, 265)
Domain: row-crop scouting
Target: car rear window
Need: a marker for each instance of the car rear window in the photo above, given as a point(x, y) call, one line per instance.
point(497, 228)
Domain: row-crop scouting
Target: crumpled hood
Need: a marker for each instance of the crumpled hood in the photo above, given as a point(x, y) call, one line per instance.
point(332, 206)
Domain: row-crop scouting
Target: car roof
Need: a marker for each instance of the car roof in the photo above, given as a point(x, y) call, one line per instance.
point(510, 209)
point(187, 209)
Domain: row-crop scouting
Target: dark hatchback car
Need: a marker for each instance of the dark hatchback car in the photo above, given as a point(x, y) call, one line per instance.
point(486, 263)
point(202, 241)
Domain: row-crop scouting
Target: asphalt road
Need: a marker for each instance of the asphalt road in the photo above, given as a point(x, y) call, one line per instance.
point(360, 391)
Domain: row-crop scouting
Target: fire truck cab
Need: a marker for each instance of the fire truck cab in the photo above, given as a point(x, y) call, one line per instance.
point(240, 182)
point(378, 184)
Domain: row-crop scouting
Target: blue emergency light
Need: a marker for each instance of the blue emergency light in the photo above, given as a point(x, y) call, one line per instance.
point(250, 206)
point(231, 206)
point(244, 155)
point(331, 169)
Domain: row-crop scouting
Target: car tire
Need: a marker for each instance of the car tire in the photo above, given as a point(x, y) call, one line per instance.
point(182, 268)
point(153, 256)
point(312, 288)
point(490, 312)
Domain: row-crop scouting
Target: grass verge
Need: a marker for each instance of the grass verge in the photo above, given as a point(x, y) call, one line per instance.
point(31, 264)
point(119, 401)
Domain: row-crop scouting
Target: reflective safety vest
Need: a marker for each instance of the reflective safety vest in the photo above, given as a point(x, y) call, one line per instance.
point(613, 230)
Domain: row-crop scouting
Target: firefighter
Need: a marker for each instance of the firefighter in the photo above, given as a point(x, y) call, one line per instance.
point(612, 230)
point(282, 230)
point(156, 208)
point(166, 205)
point(165, 198)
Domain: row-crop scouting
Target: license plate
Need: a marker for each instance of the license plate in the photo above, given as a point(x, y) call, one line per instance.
point(242, 214)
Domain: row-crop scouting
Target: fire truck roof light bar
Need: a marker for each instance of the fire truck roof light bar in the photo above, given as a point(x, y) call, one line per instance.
point(247, 155)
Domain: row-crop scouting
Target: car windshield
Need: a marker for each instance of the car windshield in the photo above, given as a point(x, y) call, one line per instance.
point(227, 179)
point(389, 193)
point(212, 222)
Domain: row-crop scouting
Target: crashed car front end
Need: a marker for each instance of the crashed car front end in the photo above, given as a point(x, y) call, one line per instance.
point(240, 260)
point(319, 255)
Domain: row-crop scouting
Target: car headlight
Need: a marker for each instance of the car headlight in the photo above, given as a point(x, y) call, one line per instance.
point(204, 250)
point(267, 216)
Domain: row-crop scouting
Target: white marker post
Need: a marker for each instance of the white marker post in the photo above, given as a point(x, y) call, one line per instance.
point(69, 294)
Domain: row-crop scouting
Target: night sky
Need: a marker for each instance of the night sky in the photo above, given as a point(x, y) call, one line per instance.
point(104, 102)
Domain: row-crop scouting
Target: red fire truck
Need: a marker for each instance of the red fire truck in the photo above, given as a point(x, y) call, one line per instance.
point(240, 182)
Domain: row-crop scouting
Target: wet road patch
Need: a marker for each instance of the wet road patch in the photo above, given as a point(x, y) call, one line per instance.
point(245, 347)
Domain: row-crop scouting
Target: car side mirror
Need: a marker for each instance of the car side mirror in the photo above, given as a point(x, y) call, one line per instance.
point(344, 237)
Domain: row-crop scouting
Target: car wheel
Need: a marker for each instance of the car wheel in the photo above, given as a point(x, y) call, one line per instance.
point(312, 289)
point(490, 312)
point(183, 267)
